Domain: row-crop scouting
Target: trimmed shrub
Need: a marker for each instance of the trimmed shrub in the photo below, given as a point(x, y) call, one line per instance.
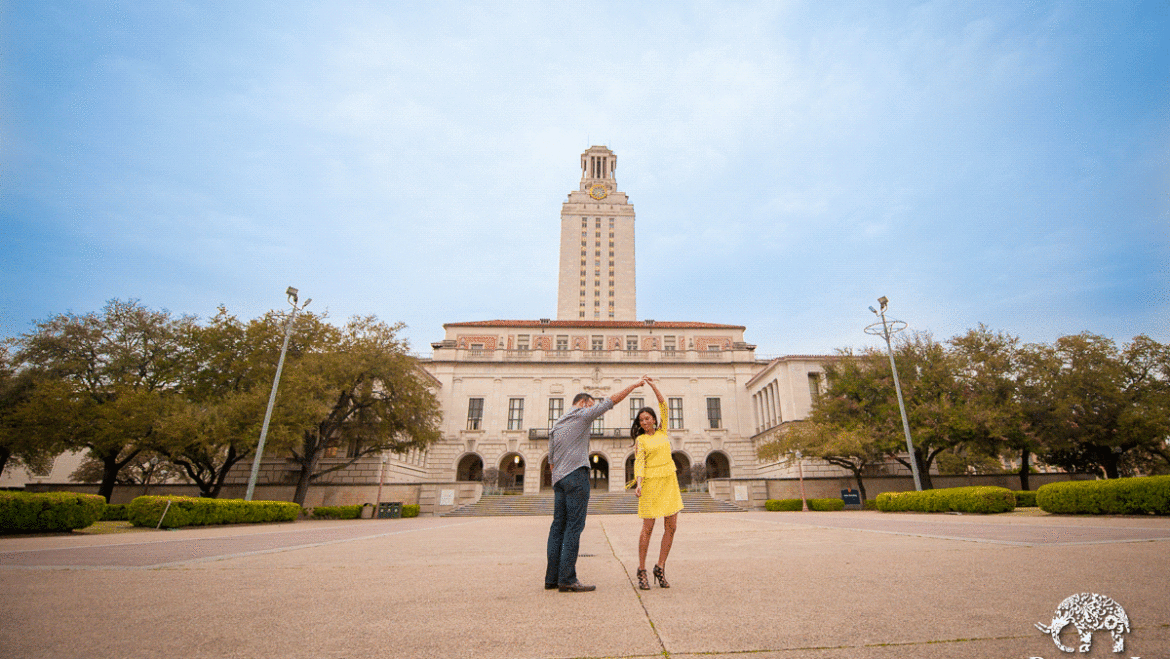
point(826, 505)
point(195, 511)
point(979, 499)
point(1025, 498)
point(823, 505)
point(45, 512)
point(115, 512)
point(869, 504)
point(1148, 495)
point(410, 510)
point(336, 512)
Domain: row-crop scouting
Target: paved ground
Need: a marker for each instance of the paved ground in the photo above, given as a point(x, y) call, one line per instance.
point(751, 585)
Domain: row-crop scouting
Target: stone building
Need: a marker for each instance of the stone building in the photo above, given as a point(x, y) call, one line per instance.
point(502, 383)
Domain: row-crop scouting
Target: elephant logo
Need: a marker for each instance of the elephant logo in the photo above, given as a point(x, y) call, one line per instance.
point(1088, 612)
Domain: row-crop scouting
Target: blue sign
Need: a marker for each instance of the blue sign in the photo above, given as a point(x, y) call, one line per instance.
point(851, 497)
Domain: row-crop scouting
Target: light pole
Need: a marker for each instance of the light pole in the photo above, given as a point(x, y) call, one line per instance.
point(803, 500)
point(886, 328)
point(292, 299)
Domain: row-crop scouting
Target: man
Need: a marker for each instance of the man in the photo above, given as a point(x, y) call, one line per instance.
point(568, 457)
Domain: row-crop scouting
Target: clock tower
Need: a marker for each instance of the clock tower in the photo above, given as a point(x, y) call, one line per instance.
point(597, 245)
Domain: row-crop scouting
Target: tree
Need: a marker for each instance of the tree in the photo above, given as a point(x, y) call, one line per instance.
point(990, 371)
point(364, 394)
point(147, 467)
point(101, 381)
point(849, 425)
point(18, 447)
point(1095, 405)
point(227, 375)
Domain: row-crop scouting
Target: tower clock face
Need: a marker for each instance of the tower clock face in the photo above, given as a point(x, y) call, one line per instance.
point(598, 192)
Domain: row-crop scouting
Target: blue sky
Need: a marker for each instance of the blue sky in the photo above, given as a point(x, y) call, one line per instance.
point(789, 162)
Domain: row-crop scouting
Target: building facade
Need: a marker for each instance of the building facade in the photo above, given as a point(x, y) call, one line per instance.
point(503, 383)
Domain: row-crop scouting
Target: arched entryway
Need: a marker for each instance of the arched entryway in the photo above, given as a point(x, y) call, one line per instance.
point(598, 472)
point(545, 474)
point(682, 468)
point(512, 472)
point(630, 468)
point(470, 468)
point(718, 465)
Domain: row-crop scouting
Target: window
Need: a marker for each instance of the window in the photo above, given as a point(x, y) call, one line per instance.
point(522, 342)
point(668, 343)
point(598, 343)
point(474, 413)
point(631, 341)
point(556, 409)
point(598, 427)
point(515, 413)
point(674, 408)
point(562, 342)
point(712, 347)
point(714, 413)
point(814, 387)
point(635, 405)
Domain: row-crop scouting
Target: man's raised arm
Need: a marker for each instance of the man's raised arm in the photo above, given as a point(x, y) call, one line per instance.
point(621, 395)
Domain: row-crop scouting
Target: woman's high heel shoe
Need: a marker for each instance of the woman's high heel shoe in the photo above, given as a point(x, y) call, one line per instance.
point(660, 577)
point(643, 580)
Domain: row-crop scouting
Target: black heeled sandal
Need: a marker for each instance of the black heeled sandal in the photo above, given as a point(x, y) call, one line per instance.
point(643, 580)
point(660, 577)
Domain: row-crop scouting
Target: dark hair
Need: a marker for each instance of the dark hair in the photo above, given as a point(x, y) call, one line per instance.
point(636, 429)
point(580, 397)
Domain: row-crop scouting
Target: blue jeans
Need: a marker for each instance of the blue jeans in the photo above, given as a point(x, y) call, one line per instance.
point(570, 505)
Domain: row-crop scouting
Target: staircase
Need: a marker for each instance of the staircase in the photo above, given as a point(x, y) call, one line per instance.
point(600, 503)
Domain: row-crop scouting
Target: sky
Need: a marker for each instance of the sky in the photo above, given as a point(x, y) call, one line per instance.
point(1004, 163)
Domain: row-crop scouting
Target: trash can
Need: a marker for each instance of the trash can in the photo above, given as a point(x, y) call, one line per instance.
point(390, 510)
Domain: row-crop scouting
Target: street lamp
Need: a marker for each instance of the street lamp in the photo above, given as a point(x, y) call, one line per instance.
point(885, 329)
point(803, 500)
point(292, 300)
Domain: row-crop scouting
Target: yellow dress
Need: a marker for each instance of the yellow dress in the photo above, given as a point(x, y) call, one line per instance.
point(654, 465)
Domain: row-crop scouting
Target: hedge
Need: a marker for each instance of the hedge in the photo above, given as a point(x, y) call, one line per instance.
point(1148, 495)
point(115, 512)
point(979, 499)
point(410, 510)
point(336, 512)
point(195, 511)
point(1025, 498)
point(42, 512)
point(823, 505)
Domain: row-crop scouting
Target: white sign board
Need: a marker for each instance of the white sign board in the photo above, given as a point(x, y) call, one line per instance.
point(741, 493)
point(447, 497)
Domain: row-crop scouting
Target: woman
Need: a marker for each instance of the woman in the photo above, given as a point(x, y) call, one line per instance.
point(656, 486)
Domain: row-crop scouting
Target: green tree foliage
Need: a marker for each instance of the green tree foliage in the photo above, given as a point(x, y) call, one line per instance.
point(360, 395)
point(215, 421)
point(989, 368)
point(1097, 407)
point(848, 426)
point(1081, 404)
point(19, 448)
point(101, 380)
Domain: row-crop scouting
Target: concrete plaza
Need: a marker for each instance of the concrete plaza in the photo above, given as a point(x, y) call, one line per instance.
point(752, 585)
